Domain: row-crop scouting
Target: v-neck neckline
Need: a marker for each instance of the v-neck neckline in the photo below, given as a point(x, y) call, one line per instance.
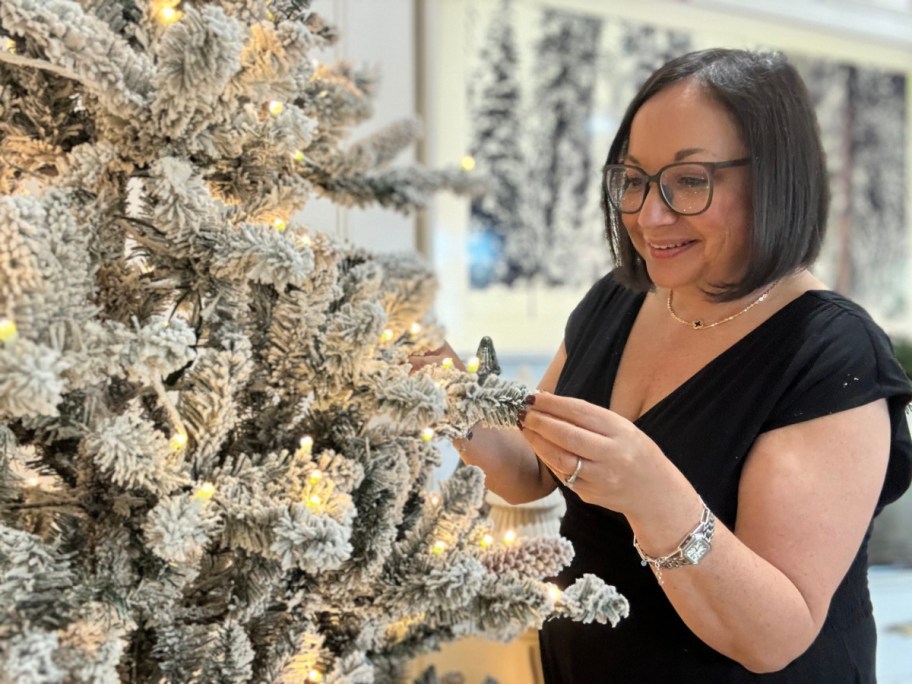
point(624, 338)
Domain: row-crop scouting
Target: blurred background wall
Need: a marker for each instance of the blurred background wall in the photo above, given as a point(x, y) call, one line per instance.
point(513, 264)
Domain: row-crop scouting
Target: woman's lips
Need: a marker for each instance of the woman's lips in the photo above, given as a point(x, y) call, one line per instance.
point(667, 250)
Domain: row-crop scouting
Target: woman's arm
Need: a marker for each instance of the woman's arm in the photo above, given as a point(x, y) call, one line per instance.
point(512, 470)
point(807, 494)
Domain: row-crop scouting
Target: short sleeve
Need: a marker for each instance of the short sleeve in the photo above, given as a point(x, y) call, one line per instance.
point(847, 361)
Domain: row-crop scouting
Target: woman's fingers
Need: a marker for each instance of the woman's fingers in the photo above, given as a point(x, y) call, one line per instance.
point(619, 462)
point(577, 412)
point(561, 446)
point(435, 357)
point(569, 437)
point(419, 362)
point(561, 442)
point(556, 458)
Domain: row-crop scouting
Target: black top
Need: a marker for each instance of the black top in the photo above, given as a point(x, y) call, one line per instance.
point(818, 355)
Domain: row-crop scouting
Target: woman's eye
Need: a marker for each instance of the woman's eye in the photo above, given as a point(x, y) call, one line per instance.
point(691, 182)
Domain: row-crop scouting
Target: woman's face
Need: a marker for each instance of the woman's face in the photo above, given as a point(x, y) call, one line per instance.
point(681, 123)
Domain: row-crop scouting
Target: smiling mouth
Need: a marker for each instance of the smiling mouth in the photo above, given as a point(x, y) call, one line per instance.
point(673, 245)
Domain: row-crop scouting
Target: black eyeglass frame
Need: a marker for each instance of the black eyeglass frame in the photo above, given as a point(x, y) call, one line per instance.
point(711, 168)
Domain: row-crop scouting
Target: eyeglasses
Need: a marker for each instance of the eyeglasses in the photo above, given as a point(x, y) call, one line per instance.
point(685, 187)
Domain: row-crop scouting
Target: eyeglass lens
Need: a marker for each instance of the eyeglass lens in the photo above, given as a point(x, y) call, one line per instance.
point(687, 188)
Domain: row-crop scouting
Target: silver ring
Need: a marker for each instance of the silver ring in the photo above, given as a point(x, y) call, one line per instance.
point(570, 481)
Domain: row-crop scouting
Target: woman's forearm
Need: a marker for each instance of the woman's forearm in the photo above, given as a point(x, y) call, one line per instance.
point(733, 600)
point(806, 497)
point(512, 471)
point(742, 606)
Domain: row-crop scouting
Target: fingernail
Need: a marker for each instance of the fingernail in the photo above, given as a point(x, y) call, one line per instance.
point(522, 415)
point(530, 400)
point(519, 424)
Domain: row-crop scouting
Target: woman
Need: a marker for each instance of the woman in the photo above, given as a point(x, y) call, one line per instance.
point(715, 414)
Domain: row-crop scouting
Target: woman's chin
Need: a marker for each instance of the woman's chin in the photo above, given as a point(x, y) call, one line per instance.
point(667, 279)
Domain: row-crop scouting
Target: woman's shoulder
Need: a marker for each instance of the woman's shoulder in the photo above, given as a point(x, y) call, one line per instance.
point(830, 299)
point(825, 318)
point(843, 359)
point(831, 350)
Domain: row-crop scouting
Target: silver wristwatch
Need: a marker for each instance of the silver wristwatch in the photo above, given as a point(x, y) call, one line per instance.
point(692, 549)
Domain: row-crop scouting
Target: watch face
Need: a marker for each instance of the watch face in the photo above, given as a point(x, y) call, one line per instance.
point(696, 549)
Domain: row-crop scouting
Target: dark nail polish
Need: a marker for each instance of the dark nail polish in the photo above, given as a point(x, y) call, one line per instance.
point(530, 400)
point(519, 424)
point(522, 415)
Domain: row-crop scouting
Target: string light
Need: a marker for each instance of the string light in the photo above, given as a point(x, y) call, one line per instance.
point(9, 45)
point(509, 537)
point(166, 12)
point(315, 676)
point(473, 364)
point(314, 501)
point(179, 441)
point(279, 225)
point(427, 434)
point(169, 15)
point(447, 363)
point(316, 476)
point(486, 541)
point(8, 330)
point(439, 547)
point(415, 328)
point(276, 107)
point(554, 593)
point(434, 498)
point(33, 481)
point(205, 492)
point(306, 444)
point(298, 155)
point(386, 335)
point(467, 163)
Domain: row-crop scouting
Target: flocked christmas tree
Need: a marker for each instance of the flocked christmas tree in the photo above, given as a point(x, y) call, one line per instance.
point(213, 457)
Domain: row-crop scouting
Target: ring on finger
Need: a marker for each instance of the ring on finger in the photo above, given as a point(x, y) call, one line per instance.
point(571, 480)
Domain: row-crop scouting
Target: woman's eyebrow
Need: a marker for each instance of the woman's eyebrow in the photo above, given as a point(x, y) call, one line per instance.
point(679, 155)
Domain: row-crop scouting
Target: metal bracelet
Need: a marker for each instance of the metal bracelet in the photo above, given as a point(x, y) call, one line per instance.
point(677, 559)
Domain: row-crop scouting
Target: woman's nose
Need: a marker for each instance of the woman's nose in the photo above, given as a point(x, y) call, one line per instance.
point(654, 211)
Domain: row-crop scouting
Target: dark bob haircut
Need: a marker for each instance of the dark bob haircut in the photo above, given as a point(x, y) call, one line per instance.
point(769, 103)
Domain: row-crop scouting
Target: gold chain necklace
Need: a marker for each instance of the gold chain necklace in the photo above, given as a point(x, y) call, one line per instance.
point(700, 325)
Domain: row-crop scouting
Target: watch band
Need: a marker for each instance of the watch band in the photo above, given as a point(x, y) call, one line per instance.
point(695, 545)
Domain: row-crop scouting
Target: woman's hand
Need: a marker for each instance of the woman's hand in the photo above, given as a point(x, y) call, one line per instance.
point(621, 467)
point(436, 357)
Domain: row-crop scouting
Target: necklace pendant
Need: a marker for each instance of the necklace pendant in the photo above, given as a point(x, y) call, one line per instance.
point(700, 325)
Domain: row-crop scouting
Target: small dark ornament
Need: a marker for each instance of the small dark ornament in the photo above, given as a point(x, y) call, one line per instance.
point(487, 360)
